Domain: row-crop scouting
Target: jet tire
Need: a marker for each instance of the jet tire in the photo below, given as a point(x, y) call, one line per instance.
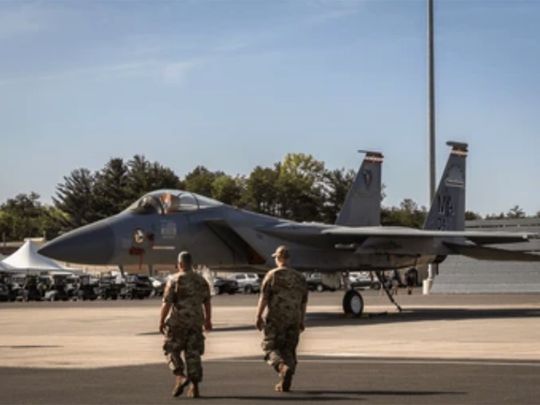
point(353, 303)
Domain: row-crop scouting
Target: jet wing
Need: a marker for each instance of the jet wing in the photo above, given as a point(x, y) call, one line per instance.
point(487, 253)
point(355, 235)
point(387, 239)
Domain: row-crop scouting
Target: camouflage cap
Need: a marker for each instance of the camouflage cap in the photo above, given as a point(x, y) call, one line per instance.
point(282, 252)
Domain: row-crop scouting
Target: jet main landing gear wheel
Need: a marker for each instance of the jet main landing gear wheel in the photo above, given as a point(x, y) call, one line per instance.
point(353, 303)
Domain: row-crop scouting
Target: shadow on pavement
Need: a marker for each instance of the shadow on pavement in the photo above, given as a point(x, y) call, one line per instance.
point(329, 395)
point(323, 319)
point(283, 398)
point(315, 319)
point(252, 383)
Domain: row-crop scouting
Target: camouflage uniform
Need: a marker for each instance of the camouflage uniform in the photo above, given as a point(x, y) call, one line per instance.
point(186, 292)
point(286, 292)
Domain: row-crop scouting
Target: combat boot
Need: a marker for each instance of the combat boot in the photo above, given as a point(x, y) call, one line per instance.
point(285, 375)
point(179, 387)
point(193, 391)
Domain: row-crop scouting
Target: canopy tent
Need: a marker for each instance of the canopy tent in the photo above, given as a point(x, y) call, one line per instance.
point(27, 259)
point(4, 266)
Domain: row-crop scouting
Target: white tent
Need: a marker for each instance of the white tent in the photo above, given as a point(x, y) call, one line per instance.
point(4, 266)
point(26, 258)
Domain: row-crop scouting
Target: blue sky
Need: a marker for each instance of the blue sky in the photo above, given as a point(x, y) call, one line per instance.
point(235, 84)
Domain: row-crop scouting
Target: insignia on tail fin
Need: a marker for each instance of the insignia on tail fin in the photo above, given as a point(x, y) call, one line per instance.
point(362, 206)
point(447, 211)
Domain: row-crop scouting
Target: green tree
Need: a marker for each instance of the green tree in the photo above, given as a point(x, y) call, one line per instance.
point(76, 198)
point(20, 216)
point(336, 185)
point(300, 189)
point(162, 177)
point(261, 190)
point(495, 216)
point(144, 176)
point(228, 190)
point(138, 182)
point(407, 214)
point(471, 216)
point(51, 222)
point(111, 190)
point(24, 216)
point(515, 212)
point(200, 181)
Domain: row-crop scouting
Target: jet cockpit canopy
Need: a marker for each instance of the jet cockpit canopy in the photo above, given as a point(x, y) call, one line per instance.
point(165, 202)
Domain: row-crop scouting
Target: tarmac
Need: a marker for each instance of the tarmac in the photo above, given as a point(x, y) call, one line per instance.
point(450, 349)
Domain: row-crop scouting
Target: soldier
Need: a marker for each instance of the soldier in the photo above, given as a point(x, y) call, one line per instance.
point(182, 321)
point(30, 289)
point(284, 292)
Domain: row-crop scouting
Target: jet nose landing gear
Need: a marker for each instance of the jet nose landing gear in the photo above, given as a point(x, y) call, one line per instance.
point(353, 303)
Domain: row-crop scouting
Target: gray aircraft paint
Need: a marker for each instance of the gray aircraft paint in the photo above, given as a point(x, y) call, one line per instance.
point(228, 238)
point(448, 206)
point(362, 205)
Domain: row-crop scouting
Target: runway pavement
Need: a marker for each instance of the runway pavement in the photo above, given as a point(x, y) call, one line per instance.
point(250, 381)
point(441, 349)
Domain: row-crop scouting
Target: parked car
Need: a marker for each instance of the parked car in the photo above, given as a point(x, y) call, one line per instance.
point(4, 292)
point(15, 286)
point(6, 288)
point(30, 289)
point(247, 282)
point(59, 287)
point(314, 282)
point(158, 286)
point(224, 285)
point(364, 279)
point(109, 287)
point(88, 288)
point(137, 286)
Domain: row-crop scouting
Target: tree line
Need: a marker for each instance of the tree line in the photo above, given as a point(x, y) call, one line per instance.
point(300, 188)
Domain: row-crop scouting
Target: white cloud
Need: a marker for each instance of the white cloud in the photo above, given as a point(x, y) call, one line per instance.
point(331, 10)
point(22, 20)
point(176, 72)
point(169, 72)
point(234, 44)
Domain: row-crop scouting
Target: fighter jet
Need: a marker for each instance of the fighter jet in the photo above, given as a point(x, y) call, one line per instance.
point(162, 223)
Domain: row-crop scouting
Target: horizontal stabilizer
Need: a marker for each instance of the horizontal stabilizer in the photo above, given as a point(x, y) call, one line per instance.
point(488, 253)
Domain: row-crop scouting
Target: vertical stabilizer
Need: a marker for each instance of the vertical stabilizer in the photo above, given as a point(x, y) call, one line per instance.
point(362, 206)
point(448, 206)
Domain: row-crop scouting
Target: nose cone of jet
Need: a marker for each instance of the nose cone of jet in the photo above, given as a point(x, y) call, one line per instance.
point(90, 244)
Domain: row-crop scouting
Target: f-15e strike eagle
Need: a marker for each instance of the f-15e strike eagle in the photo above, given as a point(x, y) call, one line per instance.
point(162, 223)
